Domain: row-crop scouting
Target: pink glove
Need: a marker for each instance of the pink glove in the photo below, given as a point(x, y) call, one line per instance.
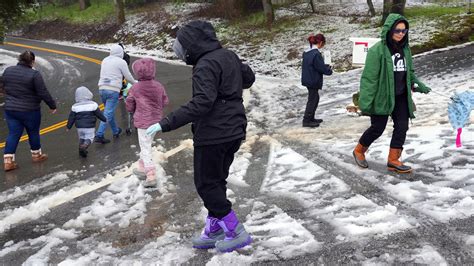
point(458, 138)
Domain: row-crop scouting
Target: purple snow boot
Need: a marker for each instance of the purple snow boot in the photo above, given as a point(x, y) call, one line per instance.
point(235, 234)
point(211, 233)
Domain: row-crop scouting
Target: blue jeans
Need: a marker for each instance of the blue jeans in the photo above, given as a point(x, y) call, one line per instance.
point(110, 100)
point(17, 122)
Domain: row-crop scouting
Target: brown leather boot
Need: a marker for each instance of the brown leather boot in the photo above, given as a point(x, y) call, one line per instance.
point(394, 164)
point(359, 155)
point(9, 162)
point(37, 156)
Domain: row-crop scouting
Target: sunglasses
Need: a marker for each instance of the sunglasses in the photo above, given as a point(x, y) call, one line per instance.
point(397, 31)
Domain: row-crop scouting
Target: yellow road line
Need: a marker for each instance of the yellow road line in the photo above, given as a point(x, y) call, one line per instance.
point(93, 60)
point(63, 123)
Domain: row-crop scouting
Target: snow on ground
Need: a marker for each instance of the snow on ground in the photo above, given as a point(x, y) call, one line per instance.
point(275, 108)
point(280, 55)
point(7, 59)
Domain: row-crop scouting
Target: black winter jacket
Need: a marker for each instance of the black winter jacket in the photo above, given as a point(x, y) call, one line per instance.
point(25, 89)
point(313, 69)
point(216, 108)
point(86, 119)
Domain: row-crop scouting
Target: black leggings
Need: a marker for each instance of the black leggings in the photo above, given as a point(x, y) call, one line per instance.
point(211, 169)
point(400, 117)
point(312, 104)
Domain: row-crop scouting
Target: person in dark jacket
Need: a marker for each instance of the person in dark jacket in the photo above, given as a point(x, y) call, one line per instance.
point(24, 89)
point(218, 119)
point(84, 114)
point(385, 90)
point(313, 70)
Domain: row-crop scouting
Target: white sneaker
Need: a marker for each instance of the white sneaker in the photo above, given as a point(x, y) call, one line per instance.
point(150, 183)
point(141, 175)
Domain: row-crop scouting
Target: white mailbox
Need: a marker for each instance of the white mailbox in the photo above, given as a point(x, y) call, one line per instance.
point(360, 46)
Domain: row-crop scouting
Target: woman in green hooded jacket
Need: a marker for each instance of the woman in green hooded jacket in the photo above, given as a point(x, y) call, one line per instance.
point(386, 86)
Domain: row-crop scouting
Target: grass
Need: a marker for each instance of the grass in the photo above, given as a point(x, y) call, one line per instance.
point(462, 32)
point(254, 28)
point(100, 10)
point(433, 11)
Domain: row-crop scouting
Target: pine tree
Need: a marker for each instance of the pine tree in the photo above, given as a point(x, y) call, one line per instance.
point(11, 10)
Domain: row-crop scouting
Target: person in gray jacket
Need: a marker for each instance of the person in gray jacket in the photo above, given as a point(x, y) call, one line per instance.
point(25, 89)
point(218, 119)
point(112, 71)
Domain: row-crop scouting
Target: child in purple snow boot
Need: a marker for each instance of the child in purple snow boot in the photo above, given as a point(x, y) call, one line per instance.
point(219, 126)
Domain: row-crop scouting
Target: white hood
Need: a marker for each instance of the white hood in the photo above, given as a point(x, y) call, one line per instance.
point(116, 50)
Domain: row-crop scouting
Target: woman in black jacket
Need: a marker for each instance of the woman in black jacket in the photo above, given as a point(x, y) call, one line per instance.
point(312, 77)
point(24, 89)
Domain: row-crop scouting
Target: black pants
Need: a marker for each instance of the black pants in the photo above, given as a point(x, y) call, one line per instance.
point(312, 104)
point(211, 169)
point(400, 116)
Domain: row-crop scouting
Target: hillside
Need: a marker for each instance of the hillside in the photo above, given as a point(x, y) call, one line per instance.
point(150, 30)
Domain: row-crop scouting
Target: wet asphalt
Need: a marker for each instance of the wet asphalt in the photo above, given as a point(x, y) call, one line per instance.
point(62, 146)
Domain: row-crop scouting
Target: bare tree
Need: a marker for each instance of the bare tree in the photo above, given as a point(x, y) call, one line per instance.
point(387, 5)
point(120, 10)
point(371, 7)
point(398, 6)
point(313, 6)
point(84, 4)
point(392, 6)
point(268, 11)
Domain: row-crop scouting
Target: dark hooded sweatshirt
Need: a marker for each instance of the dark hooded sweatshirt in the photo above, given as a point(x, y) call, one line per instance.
point(216, 108)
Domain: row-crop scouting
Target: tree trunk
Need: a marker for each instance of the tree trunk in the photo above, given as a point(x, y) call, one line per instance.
point(313, 7)
point(2, 32)
point(84, 4)
point(387, 6)
point(371, 8)
point(120, 10)
point(268, 11)
point(398, 6)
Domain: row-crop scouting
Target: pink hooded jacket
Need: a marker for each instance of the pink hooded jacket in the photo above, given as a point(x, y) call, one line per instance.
point(147, 98)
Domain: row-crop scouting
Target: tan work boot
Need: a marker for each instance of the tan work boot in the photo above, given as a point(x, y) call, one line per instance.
point(359, 155)
point(394, 164)
point(37, 156)
point(9, 162)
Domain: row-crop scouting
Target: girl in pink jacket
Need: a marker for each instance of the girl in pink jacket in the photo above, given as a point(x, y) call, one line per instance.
point(146, 100)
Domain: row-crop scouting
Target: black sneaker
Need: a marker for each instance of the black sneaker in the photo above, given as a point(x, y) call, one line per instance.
point(101, 140)
point(118, 134)
point(310, 124)
point(319, 121)
point(83, 153)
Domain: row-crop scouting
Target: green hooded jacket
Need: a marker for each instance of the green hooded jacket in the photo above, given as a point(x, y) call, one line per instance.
point(377, 84)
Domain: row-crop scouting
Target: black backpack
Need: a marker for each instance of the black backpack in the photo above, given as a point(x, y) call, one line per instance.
point(126, 56)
